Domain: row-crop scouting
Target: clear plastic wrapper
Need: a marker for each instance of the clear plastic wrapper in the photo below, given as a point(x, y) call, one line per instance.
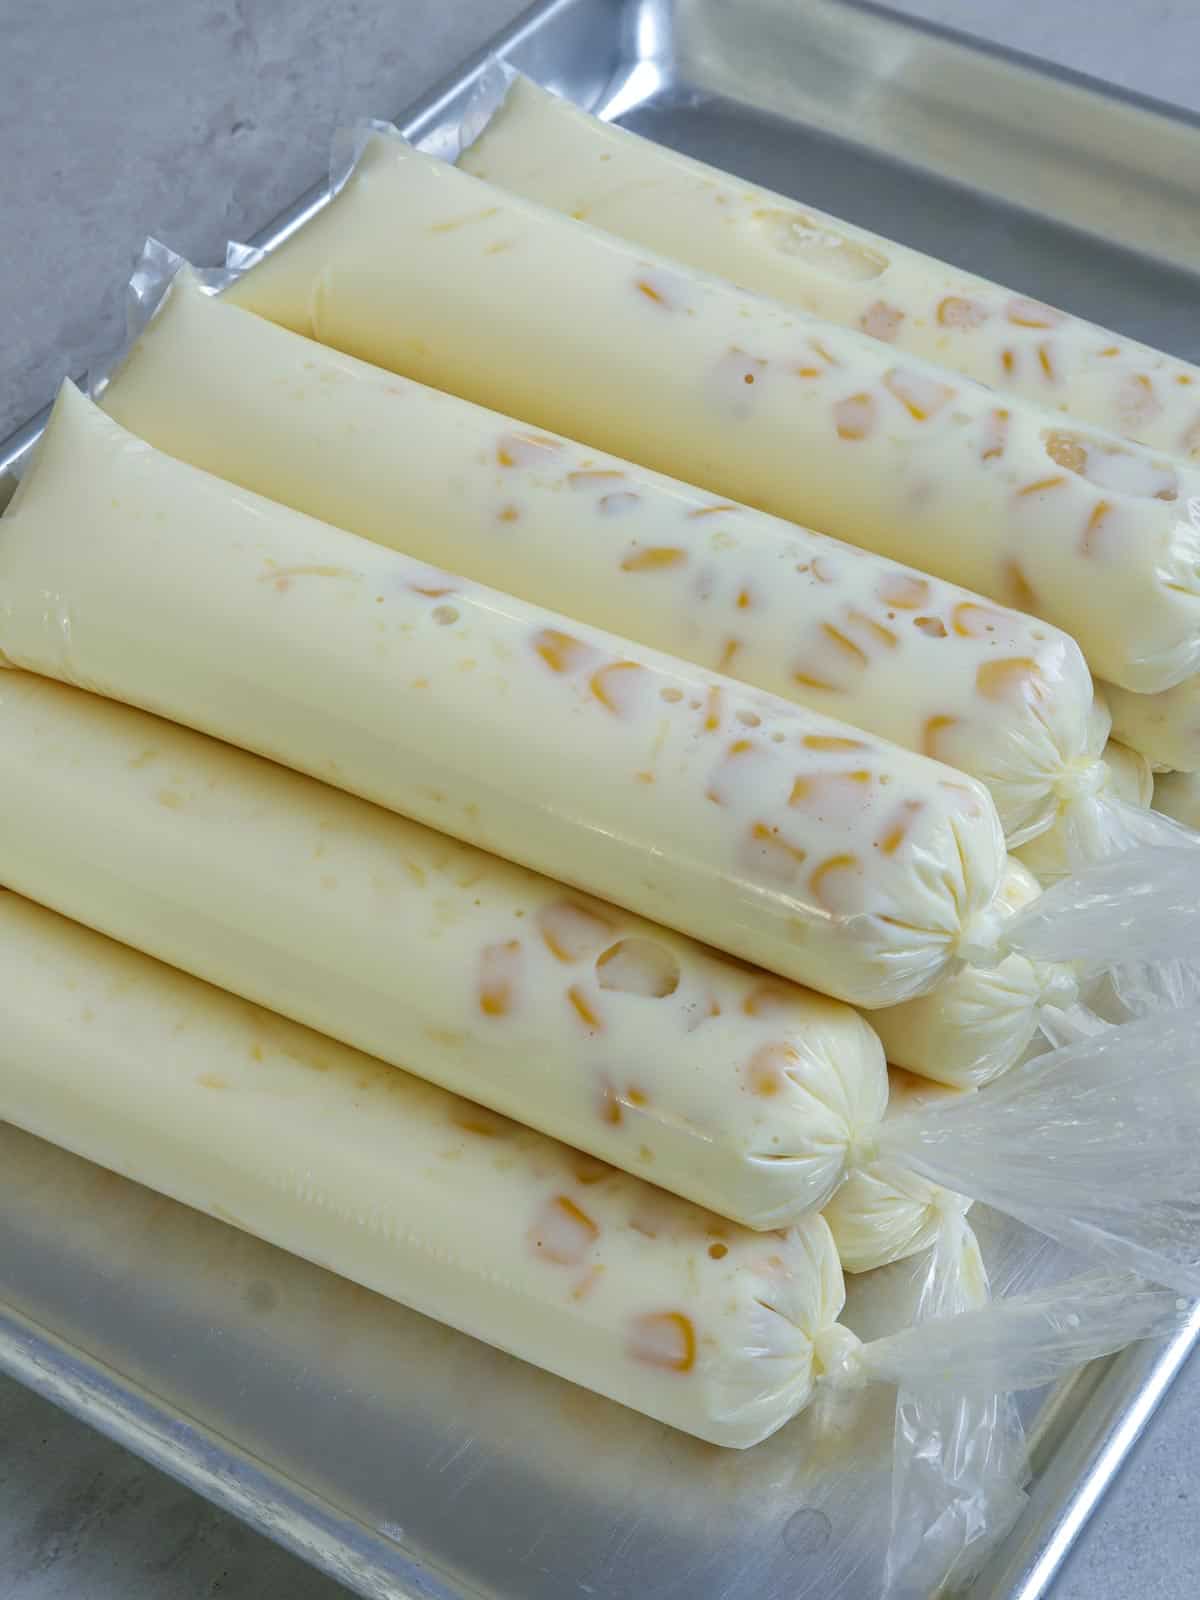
point(411, 1191)
point(761, 827)
point(1164, 727)
point(1023, 1341)
point(1093, 1144)
point(1138, 907)
point(628, 1041)
point(932, 667)
point(579, 331)
point(959, 1459)
point(765, 829)
point(754, 1098)
point(527, 140)
point(1065, 1164)
point(495, 1230)
point(1098, 823)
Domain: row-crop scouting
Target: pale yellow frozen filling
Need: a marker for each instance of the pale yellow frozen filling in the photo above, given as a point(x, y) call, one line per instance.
point(740, 1091)
point(932, 667)
point(547, 149)
point(410, 1191)
point(578, 331)
point(781, 836)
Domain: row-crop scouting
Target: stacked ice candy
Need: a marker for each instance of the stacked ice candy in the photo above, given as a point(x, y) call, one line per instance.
point(756, 401)
point(540, 146)
point(547, 149)
point(450, 736)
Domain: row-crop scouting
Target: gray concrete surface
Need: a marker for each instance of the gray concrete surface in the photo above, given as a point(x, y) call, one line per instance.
point(199, 121)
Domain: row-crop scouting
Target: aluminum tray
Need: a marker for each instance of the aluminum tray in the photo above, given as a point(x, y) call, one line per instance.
point(403, 1458)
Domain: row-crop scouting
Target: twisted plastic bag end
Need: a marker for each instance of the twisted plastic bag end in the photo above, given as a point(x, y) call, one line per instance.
point(959, 1458)
point(1133, 910)
point(1028, 1340)
point(959, 1462)
point(1095, 1144)
point(1099, 827)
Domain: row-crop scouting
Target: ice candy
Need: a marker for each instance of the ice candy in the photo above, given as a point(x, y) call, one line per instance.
point(765, 829)
point(881, 1214)
point(979, 1022)
point(1177, 795)
point(549, 150)
point(420, 267)
point(1164, 727)
point(927, 665)
point(740, 1092)
point(476, 1221)
point(408, 1190)
point(1121, 774)
point(639, 1046)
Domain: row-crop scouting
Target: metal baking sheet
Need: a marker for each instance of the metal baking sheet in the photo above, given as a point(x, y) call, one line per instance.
point(403, 1458)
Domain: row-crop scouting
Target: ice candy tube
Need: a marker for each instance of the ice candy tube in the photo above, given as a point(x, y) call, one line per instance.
point(413, 1192)
point(420, 267)
point(632, 1043)
point(401, 1187)
point(765, 829)
point(1165, 727)
point(549, 150)
point(741, 1092)
point(998, 694)
point(769, 831)
point(1177, 795)
point(1080, 831)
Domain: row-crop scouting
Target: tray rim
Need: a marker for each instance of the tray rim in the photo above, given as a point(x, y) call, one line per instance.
point(1138, 1379)
point(18, 444)
point(211, 1465)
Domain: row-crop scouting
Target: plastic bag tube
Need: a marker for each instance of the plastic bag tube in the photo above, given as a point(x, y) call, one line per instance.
point(281, 431)
point(580, 332)
point(743, 1093)
point(750, 1096)
point(645, 1049)
point(1177, 795)
point(767, 830)
point(527, 140)
point(1164, 727)
point(494, 1229)
point(216, 1113)
point(1094, 1144)
point(1093, 827)
point(932, 667)
point(414, 1193)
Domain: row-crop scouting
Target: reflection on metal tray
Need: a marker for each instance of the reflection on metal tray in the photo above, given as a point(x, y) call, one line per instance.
point(404, 1458)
